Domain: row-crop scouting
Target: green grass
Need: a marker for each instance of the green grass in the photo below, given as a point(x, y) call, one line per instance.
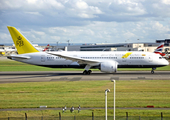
point(86, 93)
point(139, 93)
point(10, 65)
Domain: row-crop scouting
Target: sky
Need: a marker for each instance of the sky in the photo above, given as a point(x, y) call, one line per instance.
point(86, 21)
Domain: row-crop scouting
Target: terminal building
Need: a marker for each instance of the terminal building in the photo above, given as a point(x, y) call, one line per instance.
point(146, 47)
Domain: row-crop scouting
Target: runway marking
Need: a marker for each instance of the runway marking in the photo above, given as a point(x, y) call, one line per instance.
point(76, 79)
point(115, 78)
point(60, 79)
point(141, 78)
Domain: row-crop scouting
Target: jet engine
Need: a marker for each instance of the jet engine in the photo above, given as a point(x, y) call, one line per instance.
point(109, 67)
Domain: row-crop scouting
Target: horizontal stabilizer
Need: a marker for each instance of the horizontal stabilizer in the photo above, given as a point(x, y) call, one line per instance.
point(18, 57)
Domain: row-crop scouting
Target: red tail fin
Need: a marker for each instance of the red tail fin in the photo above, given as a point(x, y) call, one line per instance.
point(159, 49)
point(46, 48)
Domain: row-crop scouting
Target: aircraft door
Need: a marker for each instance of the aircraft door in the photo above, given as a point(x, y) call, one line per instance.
point(150, 58)
point(42, 58)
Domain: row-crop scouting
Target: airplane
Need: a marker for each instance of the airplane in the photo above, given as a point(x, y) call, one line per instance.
point(159, 50)
point(2, 51)
point(41, 49)
point(107, 62)
point(7, 50)
point(47, 47)
point(10, 49)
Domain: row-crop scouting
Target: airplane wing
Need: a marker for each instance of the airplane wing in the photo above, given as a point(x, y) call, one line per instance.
point(18, 57)
point(75, 59)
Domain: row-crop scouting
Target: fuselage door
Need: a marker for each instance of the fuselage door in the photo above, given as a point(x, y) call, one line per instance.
point(42, 58)
point(150, 58)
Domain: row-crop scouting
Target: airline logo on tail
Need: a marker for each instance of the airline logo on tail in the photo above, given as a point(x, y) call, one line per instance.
point(19, 42)
point(159, 49)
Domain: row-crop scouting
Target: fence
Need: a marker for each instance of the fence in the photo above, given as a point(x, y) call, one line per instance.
point(86, 118)
point(161, 117)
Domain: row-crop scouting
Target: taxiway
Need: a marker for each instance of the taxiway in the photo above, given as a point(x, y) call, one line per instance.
point(42, 76)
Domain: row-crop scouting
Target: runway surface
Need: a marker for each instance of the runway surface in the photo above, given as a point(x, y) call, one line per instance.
point(10, 77)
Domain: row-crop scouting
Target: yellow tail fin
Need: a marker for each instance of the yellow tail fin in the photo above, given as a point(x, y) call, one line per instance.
point(21, 43)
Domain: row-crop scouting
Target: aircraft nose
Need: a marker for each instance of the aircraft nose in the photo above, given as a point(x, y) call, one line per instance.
point(166, 62)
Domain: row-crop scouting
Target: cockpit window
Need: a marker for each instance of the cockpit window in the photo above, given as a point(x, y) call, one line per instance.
point(160, 57)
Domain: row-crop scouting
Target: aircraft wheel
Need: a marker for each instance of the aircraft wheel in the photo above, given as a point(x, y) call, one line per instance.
point(85, 72)
point(152, 72)
point(89, 72)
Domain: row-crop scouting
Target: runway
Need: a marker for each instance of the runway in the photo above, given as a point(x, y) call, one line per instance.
point(42, 76)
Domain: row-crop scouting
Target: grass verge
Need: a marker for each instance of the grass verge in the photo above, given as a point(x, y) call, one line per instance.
point(85, 93)
point(131, 94)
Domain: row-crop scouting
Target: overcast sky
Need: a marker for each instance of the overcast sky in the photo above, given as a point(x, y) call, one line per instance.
point(86, 21)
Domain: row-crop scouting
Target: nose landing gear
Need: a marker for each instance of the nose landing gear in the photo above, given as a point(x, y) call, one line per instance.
point(152, 71)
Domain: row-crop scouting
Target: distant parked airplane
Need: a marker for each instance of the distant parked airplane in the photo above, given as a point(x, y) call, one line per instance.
point(46, 48)
point(159, 50)
point(104, 61)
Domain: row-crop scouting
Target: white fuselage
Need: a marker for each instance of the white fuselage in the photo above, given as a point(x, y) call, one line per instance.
point(124, 60)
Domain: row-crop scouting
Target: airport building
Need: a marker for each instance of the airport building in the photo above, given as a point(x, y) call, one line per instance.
point(146, 47)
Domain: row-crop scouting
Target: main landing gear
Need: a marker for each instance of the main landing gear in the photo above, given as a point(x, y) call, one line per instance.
point(152, 71)
point(87, 72)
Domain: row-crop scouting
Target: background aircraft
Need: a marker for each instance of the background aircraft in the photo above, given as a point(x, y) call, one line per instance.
point(159, 50)
point(47, 47)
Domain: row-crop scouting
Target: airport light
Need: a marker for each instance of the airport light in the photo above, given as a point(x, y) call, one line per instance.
point(138, 45)
point(68, 42)
point(57, 42)
point(114, 96)
point(57, 45)
point(107, 90)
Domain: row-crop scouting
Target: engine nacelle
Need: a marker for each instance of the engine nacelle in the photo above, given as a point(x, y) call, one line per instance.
point(109, 67)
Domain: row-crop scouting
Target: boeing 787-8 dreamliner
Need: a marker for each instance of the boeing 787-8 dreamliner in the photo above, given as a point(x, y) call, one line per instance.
point(104, 61)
